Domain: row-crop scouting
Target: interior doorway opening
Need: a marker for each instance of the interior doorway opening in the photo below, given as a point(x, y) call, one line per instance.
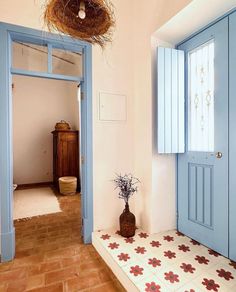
point(60, 60)
point(38, 104)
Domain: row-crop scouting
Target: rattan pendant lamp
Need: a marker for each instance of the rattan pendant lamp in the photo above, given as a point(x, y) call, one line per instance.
point(88, 20)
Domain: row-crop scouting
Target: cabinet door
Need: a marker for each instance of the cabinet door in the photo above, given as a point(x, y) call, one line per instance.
point(72, 155)
point(232, 136)
point(67, 154)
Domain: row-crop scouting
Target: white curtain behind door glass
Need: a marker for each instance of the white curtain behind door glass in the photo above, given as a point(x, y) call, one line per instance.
point(201, 99)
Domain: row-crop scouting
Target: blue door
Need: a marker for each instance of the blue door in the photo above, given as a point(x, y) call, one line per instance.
point(203, 169)
point(232, 136)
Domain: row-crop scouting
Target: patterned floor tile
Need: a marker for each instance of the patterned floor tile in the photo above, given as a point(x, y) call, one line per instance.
point(208, 282)
point(171, 278)
point(170, 261)
point(189, 288)
point(224, 274)
point(137, 271)
point(152, 284)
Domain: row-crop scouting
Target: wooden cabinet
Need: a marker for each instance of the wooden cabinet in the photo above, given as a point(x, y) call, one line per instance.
point(65, 155)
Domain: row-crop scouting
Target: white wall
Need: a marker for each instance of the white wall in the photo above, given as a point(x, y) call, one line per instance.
point(156, 203)
point(37, 105)
point(123, 67)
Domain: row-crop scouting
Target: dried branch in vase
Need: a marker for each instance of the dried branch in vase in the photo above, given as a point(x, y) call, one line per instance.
point(127, 185)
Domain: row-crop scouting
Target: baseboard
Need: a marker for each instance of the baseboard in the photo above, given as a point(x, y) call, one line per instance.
point(34, 185)
point(8, 246)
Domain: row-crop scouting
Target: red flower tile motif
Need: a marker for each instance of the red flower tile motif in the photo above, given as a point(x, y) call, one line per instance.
point(123, 257)
point(143, 235)
point(136, 270)
point(154, 262)
point(179, 233)
point(169, 254)
point(113, 245)
point(194, 242)
point(210, 284)
point(152, 287)
point(187, 268)
point(140, 249)
point(184, 248)
point(225, 274)
point(168, 238)
point(233, 264)
point(171, 277)
point(202, 260)
point(129, 240)
point(212, 252)
point(105, 236)
point(191, 290)
point(155, 243)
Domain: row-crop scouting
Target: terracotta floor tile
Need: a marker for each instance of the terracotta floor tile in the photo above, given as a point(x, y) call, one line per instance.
point(58, 287)
point(13, 275)
point(108, 287)
point(44, 267)
point(3, 287)
point(5, 267)
point(50, 253)
point(17, 285)
point(28, 260)
point(105, 275)
point(35, 282)
point(61, 275)
point(81, 283)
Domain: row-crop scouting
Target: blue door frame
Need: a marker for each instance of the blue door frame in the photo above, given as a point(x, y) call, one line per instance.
point(9, 33)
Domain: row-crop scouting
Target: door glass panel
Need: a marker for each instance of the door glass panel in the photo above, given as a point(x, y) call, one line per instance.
point(201, 98)
point(67, 63)
point(30, 57)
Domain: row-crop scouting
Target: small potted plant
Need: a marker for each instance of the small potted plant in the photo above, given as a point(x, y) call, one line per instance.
point(127, 185)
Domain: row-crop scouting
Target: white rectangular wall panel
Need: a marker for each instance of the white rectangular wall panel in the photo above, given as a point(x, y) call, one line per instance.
point(112, 107)
point(170, 105)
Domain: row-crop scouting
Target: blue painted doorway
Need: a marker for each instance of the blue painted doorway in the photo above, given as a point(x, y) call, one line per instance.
point(203, 177)
point(8, 34)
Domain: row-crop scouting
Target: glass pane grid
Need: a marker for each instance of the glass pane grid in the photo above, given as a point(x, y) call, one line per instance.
point(201, 99)
point(38, 58)
point(67, 63)
point(29, 57)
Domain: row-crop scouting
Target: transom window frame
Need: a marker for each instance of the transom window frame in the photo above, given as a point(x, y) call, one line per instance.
point(55, 44)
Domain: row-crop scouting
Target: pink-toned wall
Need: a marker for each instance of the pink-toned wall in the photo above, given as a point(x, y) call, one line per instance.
point(124, 67)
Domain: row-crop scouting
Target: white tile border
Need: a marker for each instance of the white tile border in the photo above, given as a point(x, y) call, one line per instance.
point(121, 276)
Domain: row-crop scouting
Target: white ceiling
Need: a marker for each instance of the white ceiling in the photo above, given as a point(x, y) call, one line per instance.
point(192, 18)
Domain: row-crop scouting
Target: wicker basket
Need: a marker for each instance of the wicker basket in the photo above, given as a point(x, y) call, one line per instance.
point(62, 126)
point(68, 185)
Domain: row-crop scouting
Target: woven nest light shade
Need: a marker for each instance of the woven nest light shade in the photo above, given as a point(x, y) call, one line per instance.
point(96, 27)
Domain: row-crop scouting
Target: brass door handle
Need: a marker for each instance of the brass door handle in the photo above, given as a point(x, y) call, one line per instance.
point(219, 155)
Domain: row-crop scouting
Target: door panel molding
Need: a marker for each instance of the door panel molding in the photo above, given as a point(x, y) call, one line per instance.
point(200, 194)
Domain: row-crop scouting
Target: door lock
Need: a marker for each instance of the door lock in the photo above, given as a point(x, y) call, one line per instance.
point(219, 155)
